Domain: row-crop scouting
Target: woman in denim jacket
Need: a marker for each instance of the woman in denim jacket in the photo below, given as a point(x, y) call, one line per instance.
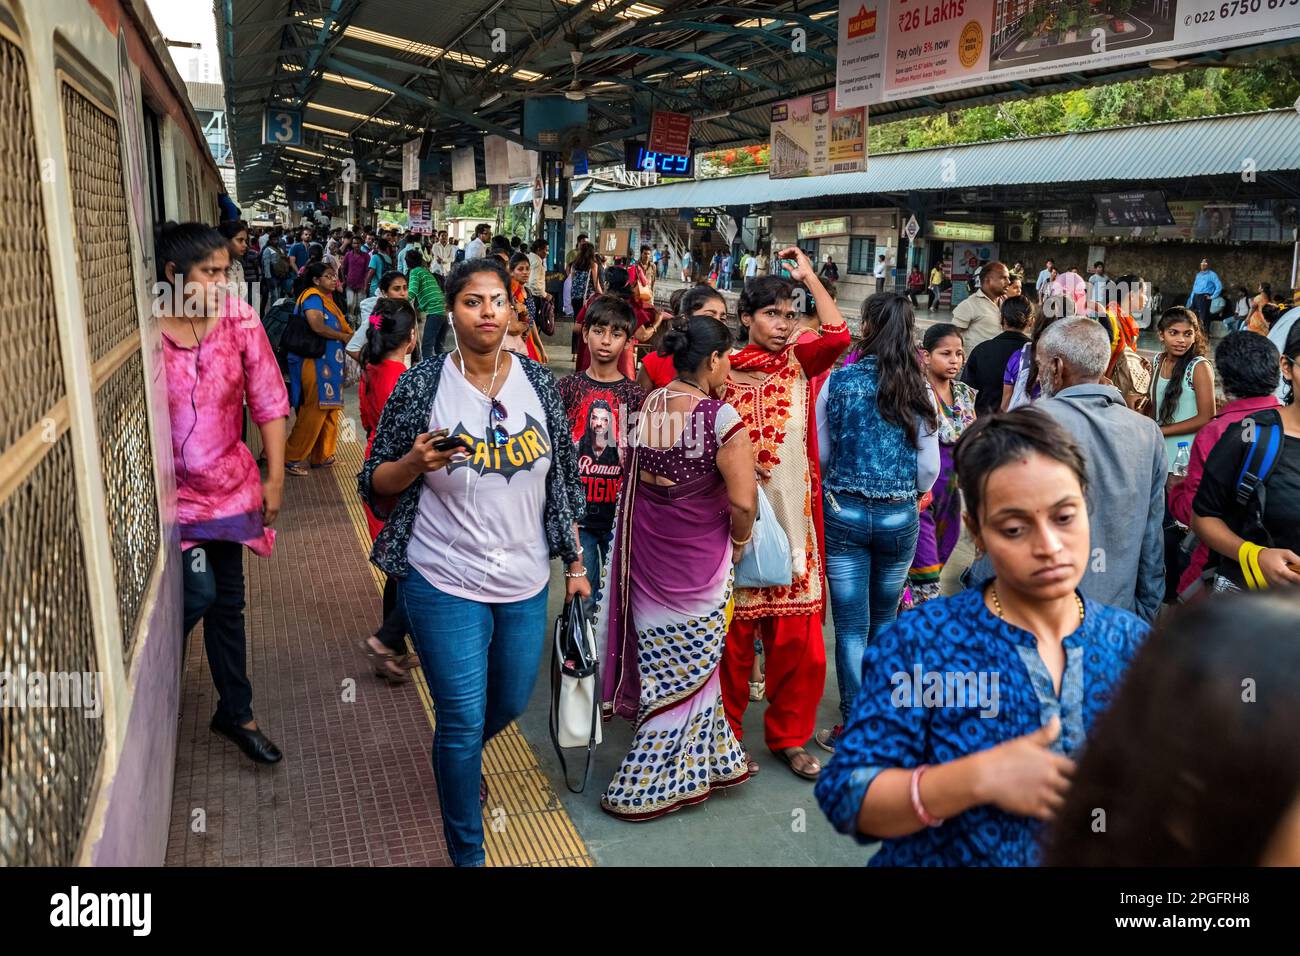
point(876, 433)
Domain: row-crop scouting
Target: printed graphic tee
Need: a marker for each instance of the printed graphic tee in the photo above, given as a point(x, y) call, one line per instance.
point(478, 533)
point(598, 417)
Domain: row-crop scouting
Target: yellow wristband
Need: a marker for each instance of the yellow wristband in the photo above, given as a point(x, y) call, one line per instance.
point(1248, 558)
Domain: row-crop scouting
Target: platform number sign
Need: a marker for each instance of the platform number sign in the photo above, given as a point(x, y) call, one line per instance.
point(282, 127)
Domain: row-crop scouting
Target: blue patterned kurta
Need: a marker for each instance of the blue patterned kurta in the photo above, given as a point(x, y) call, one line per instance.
point(959, 635)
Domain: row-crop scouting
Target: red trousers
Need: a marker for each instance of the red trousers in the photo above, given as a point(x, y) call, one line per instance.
point(795, 675)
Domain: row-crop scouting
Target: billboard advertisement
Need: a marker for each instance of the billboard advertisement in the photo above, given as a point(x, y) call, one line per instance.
point(896, 49)
point(811, 137)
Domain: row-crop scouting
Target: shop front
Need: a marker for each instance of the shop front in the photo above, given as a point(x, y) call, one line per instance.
point(853, 238)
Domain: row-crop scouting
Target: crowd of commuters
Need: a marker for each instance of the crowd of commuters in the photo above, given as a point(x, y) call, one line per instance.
point(977, 724)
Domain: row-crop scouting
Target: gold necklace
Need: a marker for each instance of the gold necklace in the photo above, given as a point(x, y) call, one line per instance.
point(997, 605)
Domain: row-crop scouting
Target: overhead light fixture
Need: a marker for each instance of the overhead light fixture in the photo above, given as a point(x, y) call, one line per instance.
point(1166, 64)
point(721, 114)
point(490, 100)
point(602, 38)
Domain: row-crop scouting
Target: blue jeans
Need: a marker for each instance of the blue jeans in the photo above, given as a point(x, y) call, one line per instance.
point(869, 549)
point(481, 662)
point(595, 549)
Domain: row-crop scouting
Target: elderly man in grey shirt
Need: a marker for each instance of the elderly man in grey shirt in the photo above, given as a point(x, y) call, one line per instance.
point(1124, 453)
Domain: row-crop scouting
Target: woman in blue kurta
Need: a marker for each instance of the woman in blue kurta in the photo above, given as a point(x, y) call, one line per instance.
point(974, 707)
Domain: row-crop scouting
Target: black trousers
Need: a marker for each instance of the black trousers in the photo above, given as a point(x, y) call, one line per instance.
point(435, 330)
point(1201, 306)
point(213, 575)
point(392, 633)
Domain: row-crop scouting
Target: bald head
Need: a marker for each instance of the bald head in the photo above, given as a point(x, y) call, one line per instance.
point(1083, 349)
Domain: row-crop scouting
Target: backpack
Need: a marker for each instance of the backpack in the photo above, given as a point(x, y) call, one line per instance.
point(1265, 447)
point(280, 267)
point(1132, 375)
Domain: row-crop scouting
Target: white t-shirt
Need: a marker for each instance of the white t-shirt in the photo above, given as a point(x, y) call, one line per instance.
point(476, 249)
point(880, 269)
point(478, 533)
point(751, 267)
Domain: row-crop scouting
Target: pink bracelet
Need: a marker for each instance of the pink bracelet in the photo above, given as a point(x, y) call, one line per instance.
point(919, 807)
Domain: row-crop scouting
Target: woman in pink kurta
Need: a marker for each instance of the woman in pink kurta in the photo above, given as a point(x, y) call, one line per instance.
point(217, 357)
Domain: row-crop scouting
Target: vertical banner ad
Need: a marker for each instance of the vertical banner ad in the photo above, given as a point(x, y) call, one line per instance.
point(411, 164)
point(464, 177)
point(506, 162)
point(419, 214)
point(811, 137)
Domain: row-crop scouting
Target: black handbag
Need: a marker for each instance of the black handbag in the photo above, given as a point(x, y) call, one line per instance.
point(300, 339)
point(545, 312)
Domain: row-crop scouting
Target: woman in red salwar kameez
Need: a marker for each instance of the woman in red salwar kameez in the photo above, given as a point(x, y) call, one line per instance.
point(770, 386)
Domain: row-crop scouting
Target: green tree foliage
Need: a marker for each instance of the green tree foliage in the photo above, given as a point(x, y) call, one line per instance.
point(1202, 92)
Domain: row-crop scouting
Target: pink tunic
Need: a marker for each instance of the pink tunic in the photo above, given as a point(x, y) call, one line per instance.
point(218, 486)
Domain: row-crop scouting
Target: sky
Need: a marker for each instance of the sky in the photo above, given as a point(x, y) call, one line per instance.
point(191, 21)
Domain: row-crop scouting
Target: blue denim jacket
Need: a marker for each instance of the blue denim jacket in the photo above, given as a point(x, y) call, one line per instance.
point(868, 455)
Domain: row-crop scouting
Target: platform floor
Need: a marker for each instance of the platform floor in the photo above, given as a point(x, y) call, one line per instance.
point(356, 787)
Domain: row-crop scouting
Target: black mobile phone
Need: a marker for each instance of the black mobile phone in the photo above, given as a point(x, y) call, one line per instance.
point(450, 442)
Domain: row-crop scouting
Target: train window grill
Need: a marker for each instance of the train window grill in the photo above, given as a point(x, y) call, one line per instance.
point(49, 756)
point(121, 413)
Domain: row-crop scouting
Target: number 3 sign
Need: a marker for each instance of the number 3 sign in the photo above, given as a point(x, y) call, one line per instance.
point(282, 128)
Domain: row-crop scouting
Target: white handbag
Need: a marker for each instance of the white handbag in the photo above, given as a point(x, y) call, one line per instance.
point(766, 561)
point(575, 688)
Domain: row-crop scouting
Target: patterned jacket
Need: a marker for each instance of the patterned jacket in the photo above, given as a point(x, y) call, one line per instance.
point(406, 416)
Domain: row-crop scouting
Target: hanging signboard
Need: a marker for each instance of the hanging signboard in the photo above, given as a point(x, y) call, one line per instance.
point(505, 161)
point(419, 213)
point(810, 137)
point(464, 177)
point(670, 133)
point(411, 164)
point(912, 229)
point(890, 51)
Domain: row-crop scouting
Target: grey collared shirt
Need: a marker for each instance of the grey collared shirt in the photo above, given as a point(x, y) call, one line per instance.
point(1124, 453)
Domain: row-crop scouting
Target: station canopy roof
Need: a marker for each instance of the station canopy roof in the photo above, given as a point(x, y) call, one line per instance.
point(372, 74)
point(1184, 150)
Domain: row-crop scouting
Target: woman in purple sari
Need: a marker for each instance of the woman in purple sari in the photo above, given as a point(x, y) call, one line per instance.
point(686, 514)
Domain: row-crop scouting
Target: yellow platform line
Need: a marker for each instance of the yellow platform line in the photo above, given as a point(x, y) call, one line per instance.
point(524, 824)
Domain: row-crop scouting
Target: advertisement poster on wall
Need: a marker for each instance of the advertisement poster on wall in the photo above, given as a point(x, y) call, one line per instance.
point(967, 257)
point(906, 48)
point(811, 137)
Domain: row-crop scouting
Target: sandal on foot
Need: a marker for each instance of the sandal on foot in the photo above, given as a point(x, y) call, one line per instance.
point(296, 469)
point(408, 662)
point(385, 664)
point(790, 754)
point(751, 765)
point(326, 463)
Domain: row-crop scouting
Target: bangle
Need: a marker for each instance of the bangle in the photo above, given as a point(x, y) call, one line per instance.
point(1248, 558)
point(580, 573)
point(917, 805)
point(741, 544)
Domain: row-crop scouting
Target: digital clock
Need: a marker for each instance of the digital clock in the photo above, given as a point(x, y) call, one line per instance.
point(637, 157)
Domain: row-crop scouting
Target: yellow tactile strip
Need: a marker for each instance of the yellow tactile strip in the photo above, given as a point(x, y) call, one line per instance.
point(524, 823)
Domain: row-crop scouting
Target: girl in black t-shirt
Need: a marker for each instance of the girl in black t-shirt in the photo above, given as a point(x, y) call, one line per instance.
point(1259, 542)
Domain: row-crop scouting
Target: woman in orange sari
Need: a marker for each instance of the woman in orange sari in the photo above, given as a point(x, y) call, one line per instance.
point(522, 335)
point(316, 385)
